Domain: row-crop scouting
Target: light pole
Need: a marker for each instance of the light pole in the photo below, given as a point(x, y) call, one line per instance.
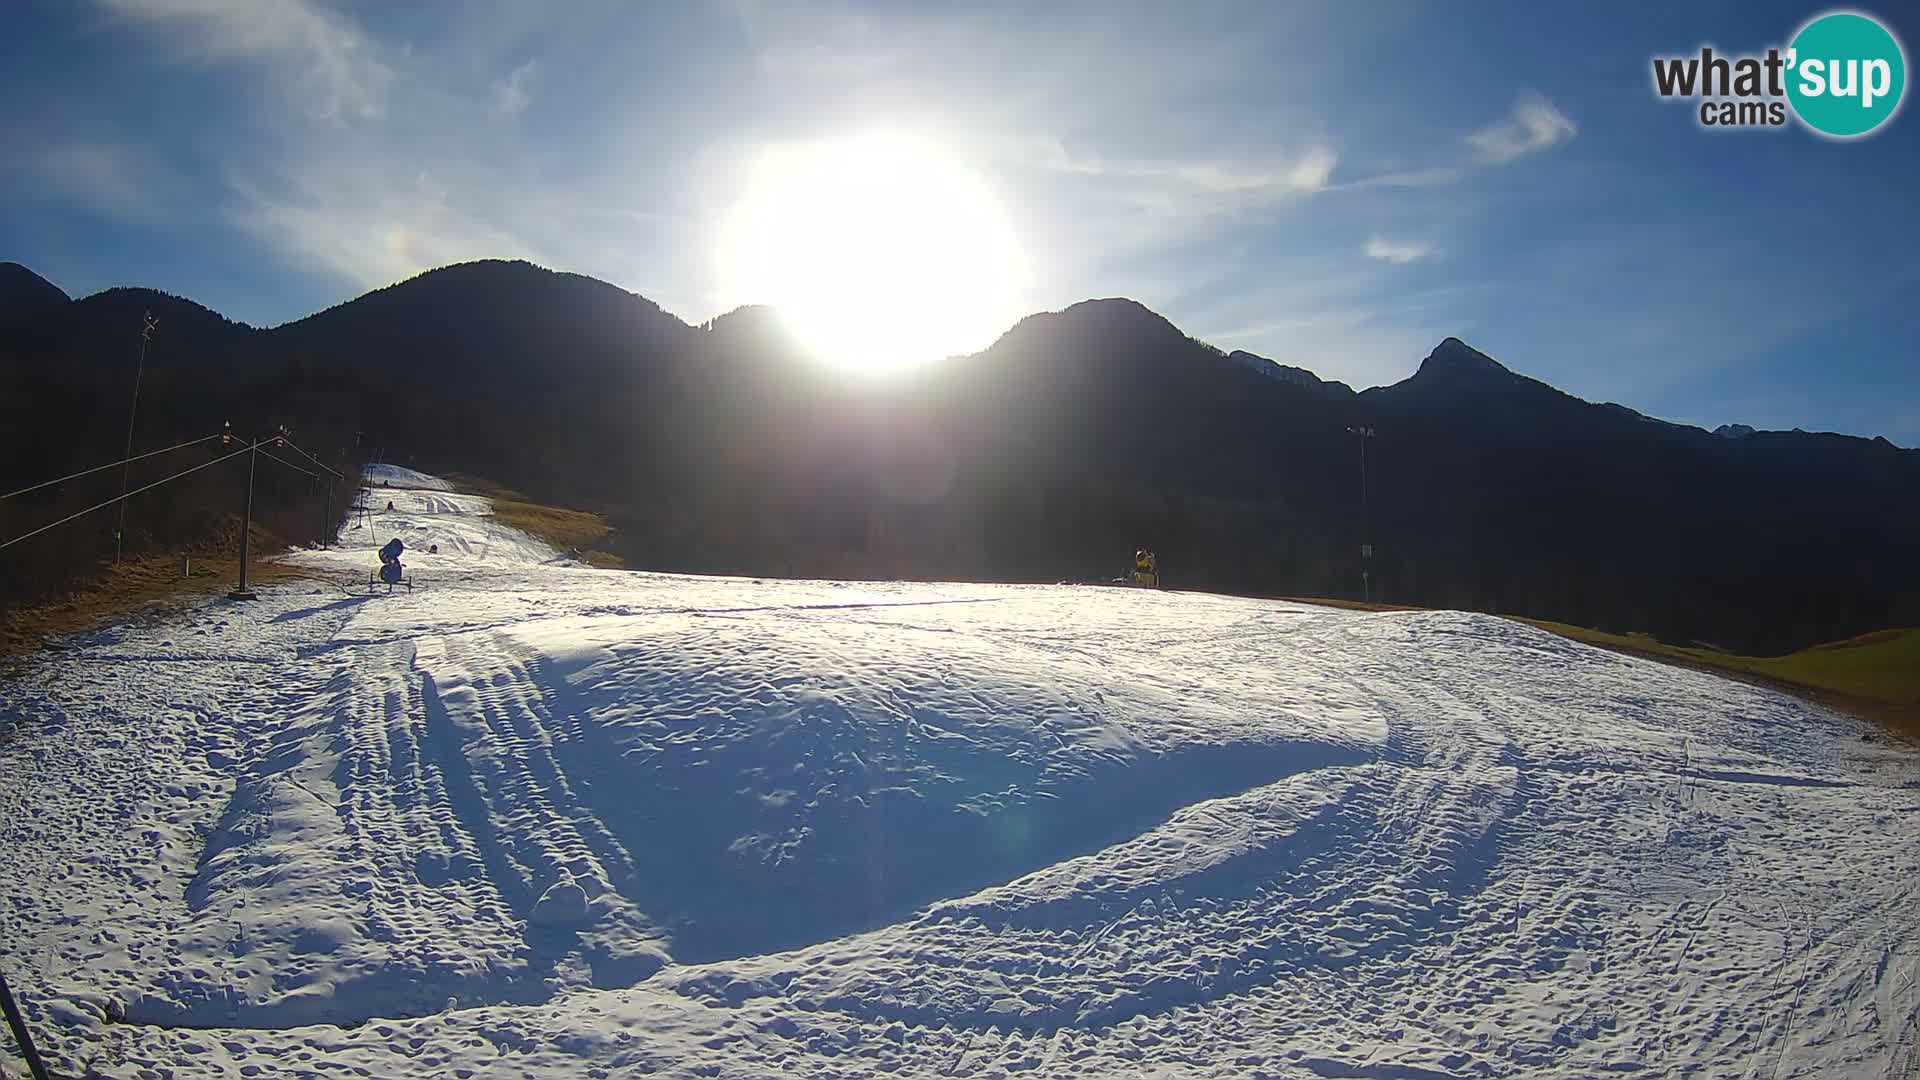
point(148, 322)
point(285, 439)
point(241, 592)
point(1365, 435)
point(279, 439)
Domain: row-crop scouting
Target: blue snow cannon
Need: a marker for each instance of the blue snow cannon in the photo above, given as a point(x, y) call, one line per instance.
point(390, 570)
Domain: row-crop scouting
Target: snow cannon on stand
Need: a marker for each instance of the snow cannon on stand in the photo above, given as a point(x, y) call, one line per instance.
point(1146, 569)
point(390, 569)
point(391, 573)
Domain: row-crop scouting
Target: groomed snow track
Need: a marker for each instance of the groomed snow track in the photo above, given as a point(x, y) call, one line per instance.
point(540, 819)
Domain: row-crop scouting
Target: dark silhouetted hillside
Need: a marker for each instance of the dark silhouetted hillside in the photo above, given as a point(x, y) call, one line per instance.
point(1074, 438)
point(1499, 492)
point(67, 377)
point(23, 292)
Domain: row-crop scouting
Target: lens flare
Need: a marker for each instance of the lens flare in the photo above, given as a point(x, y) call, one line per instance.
point(879, 252)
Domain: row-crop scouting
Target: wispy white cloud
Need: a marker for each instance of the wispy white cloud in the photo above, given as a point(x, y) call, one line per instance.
point(104, 177)
point(368, 225)
point(409, 176)
point(1303, 174)
point(108, 178)
point(1436, 176)
point(1313, 170)
point(322, 60)
point(1303, 171)
point(1396, 252)
point(1533, 125)
point(362, 212)
point(1098, 180)
point(1218, 173)
point(1119, 193)
point(514, 93)
point(1087, 212)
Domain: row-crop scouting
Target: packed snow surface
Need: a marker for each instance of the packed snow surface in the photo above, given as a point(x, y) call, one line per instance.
point(439, 530)
point(533, 819)
point(399, 476)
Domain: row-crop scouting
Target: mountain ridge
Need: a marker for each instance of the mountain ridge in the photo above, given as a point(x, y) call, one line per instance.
point(23, 292)
point(1076, 437)
point(1451, 357)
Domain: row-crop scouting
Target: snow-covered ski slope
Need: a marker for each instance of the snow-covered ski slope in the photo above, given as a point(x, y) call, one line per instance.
point(541, 820)
point(399, 476)
point(443, 532)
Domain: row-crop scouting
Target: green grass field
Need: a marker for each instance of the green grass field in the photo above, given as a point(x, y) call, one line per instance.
point(1883, 666)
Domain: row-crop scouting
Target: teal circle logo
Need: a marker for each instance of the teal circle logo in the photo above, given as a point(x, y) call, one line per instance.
point(1846, 74)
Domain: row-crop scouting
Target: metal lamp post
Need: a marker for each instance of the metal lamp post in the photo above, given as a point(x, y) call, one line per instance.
point(241, 591)
point(148, 322)
point(1365, 435)
point(279, 439)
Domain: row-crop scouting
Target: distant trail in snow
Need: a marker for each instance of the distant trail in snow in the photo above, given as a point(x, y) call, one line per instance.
point(399, 476)
point(444, 532)
point(544, 820)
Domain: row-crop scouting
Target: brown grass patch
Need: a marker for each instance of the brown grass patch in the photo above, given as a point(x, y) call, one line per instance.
point(1350, 605)
point(565, 530)
point(475, 485)
point(142, 587)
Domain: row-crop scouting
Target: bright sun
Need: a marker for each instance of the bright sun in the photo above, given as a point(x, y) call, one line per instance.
point(879, 252)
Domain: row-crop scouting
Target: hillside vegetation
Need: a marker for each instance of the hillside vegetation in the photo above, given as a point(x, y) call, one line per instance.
point(1077, 437)
point(149, 584)
point(68, 407)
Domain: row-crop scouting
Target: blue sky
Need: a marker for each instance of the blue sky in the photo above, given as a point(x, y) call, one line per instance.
point(1337, 187)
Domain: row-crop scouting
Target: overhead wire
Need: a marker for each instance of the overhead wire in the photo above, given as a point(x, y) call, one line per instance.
point(291, 465)
point(256, 446)
point(117, 498)
point(288, 443)
point(108, 465)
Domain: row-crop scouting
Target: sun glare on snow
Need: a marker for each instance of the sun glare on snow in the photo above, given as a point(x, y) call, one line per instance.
point(879, 252)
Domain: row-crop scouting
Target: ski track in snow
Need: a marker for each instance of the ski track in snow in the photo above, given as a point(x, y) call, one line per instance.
point(399, 476)
point(537, 819)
